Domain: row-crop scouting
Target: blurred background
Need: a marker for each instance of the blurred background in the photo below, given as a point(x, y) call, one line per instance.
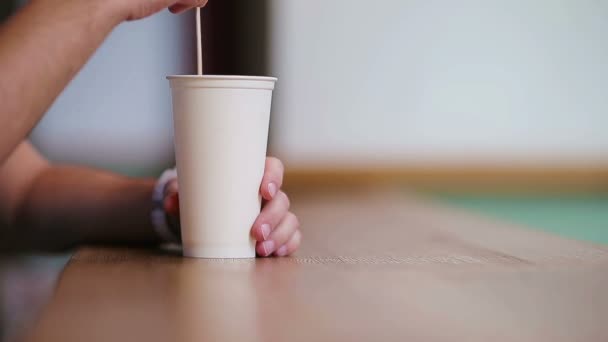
point(498, 107)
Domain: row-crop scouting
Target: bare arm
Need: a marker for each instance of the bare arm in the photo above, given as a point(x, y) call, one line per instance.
point(43, 47)
point(46, 207)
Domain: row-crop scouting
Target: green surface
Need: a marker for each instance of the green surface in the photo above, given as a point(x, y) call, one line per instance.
point(578, 217)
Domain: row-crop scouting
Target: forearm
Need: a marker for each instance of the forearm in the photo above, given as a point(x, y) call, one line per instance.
point(67, 206)
point(41, 50)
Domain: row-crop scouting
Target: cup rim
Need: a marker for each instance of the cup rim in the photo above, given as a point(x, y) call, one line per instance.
point(223, 78)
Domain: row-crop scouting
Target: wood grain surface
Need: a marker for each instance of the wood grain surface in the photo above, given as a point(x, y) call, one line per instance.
point(375, 265)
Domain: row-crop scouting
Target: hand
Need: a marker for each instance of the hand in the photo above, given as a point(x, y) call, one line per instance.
point(139, 9)
point(276, 229)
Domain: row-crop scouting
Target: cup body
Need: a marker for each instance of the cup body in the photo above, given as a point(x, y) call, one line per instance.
point(221, 134)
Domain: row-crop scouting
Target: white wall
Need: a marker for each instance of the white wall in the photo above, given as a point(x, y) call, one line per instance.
point(117, 112)
point(428, 81)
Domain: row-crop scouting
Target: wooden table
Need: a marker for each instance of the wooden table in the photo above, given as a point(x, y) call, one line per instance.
point(374, 266)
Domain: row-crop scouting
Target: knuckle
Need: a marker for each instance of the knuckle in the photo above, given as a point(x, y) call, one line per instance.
point(276, 163)
point(191, 3)
point(285, 199)
point(280, 166)
point(293, 219)
point(298, 224)
point(297, 239)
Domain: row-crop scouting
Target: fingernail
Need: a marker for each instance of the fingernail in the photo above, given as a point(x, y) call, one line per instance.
point(265, 229)
point(282, 251)
point(268, 247)
point(272, 189)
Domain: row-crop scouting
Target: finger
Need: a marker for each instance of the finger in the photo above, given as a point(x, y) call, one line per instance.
point(194, 3)
point(273, 178)
point(291, 246)
point(272, 213)
point(185, 5)
point(288, 226)
point(179, 8)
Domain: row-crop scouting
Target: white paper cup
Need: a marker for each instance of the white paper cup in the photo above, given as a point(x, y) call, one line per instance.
point(221, 134)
